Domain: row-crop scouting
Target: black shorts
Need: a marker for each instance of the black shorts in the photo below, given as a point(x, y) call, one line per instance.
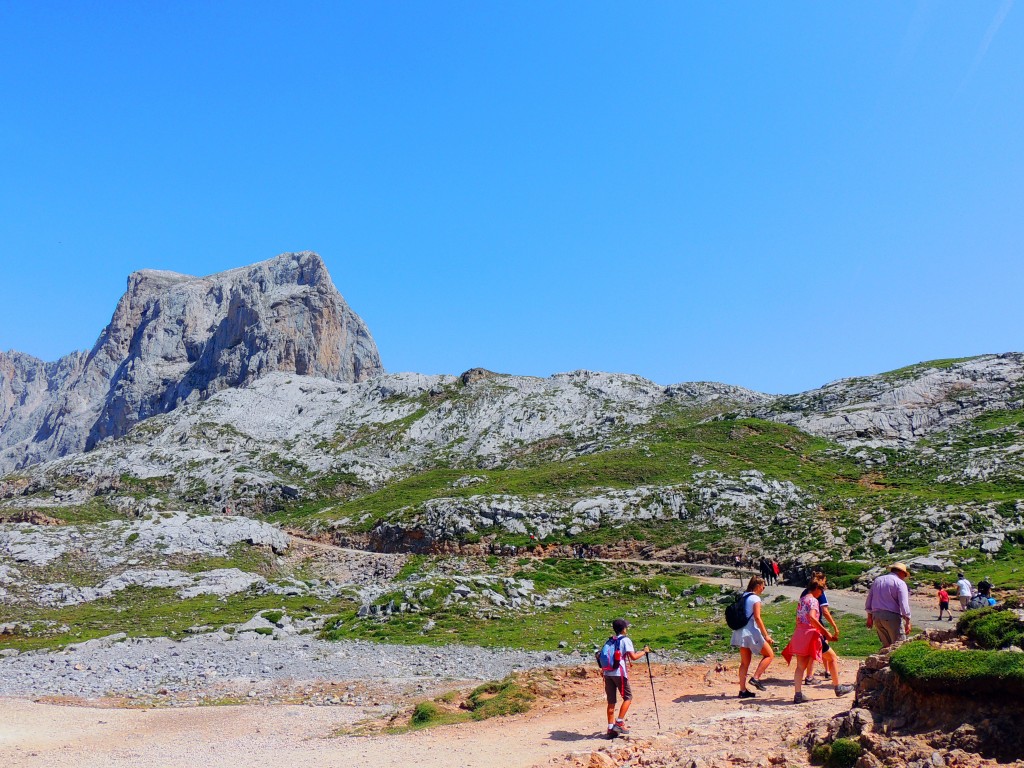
point(825, 647)
point(616, 684)
point(943, 605)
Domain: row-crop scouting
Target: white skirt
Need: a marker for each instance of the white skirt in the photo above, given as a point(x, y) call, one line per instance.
point(748, 637)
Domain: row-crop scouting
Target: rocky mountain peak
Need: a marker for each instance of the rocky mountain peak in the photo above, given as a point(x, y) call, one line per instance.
point(174, 339)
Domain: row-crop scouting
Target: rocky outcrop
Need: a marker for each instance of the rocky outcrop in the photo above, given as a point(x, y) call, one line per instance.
point(114, 543)
point(176, 339)
point(908, 717)
point(900, 407)
point(712, 501)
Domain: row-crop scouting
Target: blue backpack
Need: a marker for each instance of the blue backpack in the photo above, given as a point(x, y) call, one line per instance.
point(609, 658)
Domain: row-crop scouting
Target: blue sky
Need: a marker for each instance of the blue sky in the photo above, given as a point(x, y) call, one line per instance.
point(771, 195)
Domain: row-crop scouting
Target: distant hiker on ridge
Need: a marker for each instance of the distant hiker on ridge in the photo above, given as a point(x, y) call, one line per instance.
point(888, 605)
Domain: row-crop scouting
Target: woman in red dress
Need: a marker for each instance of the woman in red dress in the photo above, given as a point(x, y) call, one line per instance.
point(806, 641)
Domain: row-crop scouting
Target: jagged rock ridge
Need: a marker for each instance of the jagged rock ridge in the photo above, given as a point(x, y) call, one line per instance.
point(178, 339)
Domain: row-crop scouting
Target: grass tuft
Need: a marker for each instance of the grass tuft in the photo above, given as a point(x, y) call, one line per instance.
point(987, 673)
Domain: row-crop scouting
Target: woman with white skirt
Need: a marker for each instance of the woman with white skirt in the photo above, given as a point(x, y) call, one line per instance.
point(753, 638)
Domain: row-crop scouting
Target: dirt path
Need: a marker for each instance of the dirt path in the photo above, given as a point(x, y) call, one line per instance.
point(700, 718)
point(924, 607)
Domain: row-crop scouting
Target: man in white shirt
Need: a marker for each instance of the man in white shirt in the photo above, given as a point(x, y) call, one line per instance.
point(964, 594)
point(616, 681)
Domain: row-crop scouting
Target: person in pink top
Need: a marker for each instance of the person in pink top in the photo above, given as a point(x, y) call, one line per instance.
point(806, 641)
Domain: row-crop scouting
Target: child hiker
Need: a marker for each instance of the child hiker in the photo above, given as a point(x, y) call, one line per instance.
point(616, 675)
point(943, 600)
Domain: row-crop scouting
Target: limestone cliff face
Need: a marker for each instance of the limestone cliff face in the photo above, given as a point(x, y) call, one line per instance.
point(176, 339)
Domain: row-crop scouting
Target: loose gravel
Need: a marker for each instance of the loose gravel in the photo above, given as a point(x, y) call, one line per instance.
point(246, 662)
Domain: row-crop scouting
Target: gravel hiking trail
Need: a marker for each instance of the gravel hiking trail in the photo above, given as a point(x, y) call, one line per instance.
point(700, 715)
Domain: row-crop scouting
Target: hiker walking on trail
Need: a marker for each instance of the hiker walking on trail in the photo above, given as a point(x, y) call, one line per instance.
point(829, 657)
point(805, 644)
point(753, 638)
point(776, 571)
point(964, 591)
point(888, 605)
point(825, 615)
point(943, 600)
point(615, 659)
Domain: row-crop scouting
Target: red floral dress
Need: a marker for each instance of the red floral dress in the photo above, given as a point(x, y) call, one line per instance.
point(806, 640)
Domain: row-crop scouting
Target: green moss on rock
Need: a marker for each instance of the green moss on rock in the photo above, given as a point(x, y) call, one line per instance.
point(988, 673)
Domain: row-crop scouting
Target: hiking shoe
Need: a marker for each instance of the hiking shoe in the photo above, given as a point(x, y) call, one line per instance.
point(826, 675)
point(611, 734)
point(800, 698)
point(620, 729)
point(758, 684)
point(842, 690)
point(747, 694)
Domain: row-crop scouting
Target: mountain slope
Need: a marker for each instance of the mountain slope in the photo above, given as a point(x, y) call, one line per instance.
point(176, 339)
point(432, 463)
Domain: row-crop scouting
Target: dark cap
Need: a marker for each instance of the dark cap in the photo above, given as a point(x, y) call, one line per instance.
point(618, 625)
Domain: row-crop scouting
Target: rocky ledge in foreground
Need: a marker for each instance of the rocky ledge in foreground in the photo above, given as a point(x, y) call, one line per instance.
point(919, 707)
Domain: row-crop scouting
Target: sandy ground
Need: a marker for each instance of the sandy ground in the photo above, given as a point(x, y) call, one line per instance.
point(698, 712)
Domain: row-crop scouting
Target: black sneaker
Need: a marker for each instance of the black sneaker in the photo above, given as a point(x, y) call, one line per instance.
point(611, 734)
point(747, 694)
point(758, 684)
point(800, 698)
point(842, 690)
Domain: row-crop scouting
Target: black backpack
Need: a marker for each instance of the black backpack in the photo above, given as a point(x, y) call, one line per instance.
point(736, 614)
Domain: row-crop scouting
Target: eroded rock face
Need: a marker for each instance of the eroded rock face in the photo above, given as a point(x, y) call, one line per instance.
point(178, 339)
point(913, 720)
point(900, 407)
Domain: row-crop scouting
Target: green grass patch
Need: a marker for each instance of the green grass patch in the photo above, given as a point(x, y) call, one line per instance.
point(912, 371)
point(428, 713)
point(841, 753)
point(93, 511)
point(498, 699)
point(992, 628)
point(141, 612)
point(493, 699)
point(662, 615)
point(987, 673)
point(842, 574)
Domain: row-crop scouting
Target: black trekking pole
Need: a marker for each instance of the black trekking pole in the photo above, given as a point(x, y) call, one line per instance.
point(653, 694)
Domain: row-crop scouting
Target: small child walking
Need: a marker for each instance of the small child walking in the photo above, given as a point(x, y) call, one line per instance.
point(616, 678)
point(943, 600)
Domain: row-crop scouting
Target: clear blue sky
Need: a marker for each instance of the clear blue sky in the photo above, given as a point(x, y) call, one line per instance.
point(771, 195)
